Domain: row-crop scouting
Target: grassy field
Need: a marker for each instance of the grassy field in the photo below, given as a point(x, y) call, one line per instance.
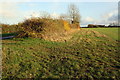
point(111, 32)
point(87, 55)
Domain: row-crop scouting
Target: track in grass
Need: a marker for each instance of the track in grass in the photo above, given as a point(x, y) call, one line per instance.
point(87, 55)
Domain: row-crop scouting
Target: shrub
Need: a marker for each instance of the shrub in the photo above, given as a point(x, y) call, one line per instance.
point(9, 28)
point(75, 26)
point(66, 25)
point(37, 27)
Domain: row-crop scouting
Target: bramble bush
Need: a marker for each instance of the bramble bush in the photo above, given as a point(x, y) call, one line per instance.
point(66, 25)
point(41, 27)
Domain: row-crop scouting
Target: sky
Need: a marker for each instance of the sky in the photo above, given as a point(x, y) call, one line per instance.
point(91, 11)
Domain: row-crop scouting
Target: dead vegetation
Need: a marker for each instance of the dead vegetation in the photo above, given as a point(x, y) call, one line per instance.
point(48, 29)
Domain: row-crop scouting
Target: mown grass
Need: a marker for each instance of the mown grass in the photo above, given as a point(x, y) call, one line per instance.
point(87, 55)
point(111, 32)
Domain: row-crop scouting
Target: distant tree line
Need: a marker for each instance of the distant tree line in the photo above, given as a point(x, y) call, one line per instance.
point(95, 26)
point(102, 26)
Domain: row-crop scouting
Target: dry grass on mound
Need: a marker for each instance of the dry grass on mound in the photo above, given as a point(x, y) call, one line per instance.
point(49, 29)
point(62, 37)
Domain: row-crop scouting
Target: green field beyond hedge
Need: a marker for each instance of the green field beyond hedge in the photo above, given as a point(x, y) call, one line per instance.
point(111, 32)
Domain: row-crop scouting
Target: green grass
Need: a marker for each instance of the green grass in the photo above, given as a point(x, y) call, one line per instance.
point(111, 32)
point(87, 55)
point(8, 34)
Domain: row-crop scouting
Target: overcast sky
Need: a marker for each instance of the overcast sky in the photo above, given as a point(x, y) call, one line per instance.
point(92, 11)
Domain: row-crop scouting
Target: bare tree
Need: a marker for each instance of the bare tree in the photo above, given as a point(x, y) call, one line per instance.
point(73, 12)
